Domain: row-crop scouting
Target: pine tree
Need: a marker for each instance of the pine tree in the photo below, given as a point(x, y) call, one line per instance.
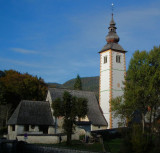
point(78, 83)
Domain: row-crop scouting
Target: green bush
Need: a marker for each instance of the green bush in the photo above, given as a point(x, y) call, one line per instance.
point(3, 130)
point(81, 137)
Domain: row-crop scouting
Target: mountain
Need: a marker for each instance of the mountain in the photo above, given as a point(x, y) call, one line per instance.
point(88, 84)
point(54, 85)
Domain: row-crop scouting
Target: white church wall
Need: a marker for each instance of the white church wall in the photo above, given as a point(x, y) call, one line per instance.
point(105, 72)
point(105, 66)
point(111, 83)
point(51, 130)
point(118, 71)
point(104, 103)
point(11, 134)
point(105, 84)
point(20, 129)
point(95, 128)
point(46, 139)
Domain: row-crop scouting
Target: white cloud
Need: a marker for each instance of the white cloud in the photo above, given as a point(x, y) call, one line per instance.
point(85, 63)
point(26, 64)
point(24, 51)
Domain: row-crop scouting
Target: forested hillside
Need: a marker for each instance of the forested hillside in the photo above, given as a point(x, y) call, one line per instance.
point(88, 84)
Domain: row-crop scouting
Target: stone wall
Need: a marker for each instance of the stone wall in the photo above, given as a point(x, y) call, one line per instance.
point(45, 139)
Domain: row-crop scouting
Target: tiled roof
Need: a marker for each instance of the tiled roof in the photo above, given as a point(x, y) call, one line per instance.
point(113, 46)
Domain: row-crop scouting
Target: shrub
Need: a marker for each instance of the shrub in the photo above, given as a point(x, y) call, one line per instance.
point(3, 130)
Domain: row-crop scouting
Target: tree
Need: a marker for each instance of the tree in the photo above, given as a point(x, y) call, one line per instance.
point(16, 86)
point(141, 94)
point(135, 94)
point(70, 108)
point(78, 83)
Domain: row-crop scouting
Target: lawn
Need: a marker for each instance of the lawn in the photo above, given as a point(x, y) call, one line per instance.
point(78, 145)
point(113, 144)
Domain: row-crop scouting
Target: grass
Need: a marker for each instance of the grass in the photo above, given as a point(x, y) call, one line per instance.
point(114, 145)
point(78, 145)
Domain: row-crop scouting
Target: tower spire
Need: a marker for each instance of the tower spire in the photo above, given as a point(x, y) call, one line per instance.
point(112, 8)
point(112, 36)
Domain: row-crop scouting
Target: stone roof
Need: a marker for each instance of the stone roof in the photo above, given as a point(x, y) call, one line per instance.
point(112, 39)
point(113, 46)
point(94, 114)
point(32, 113)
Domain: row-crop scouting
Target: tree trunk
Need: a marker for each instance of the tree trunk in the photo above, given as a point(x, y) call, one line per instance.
point(69, 136)
point(143, 123)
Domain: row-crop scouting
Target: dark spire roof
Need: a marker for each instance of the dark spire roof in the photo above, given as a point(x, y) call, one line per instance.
point(112, 21)
point(112, 38)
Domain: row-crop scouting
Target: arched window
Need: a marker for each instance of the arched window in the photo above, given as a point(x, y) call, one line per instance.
point(105, 59)
point(118, 59)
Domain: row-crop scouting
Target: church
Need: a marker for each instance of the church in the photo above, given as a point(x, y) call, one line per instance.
point(36, 120)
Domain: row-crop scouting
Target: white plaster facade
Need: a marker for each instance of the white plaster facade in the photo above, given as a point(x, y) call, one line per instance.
point(111, 82)
point(19, 129)
point(46, 139)
point(104, 91)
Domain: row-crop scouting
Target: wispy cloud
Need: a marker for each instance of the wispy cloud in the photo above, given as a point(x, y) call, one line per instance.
point(85, 63)
point(24, 51)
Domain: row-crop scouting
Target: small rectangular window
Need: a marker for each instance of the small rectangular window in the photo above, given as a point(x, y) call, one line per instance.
point(105, 59)
point(118, 59)
point(13, 127)
point(26, 128)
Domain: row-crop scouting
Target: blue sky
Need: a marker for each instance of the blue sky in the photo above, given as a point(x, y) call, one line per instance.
point(58, 39)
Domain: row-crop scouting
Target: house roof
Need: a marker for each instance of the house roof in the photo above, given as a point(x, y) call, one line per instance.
point(32, 113)
point(94, 114)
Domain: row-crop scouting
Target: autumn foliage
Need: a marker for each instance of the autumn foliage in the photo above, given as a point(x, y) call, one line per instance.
point(15, 86)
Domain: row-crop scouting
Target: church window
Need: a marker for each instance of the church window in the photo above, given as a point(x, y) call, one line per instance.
point(105, 59)
point(32, 126)
point(44, 129)
point(13, 127)
point(118, 59)
point(26, 128)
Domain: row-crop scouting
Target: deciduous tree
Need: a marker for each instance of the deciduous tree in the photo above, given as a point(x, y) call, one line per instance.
point(17, 86)
point(141, 92)
point(69, 108)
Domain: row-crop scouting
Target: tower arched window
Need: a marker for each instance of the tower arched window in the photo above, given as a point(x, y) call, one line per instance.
point(105, 59)
point(118, 59)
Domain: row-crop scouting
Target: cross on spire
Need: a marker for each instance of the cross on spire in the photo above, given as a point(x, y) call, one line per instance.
point(112, 5)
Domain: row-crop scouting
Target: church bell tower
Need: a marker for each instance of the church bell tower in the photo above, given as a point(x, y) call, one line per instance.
point(112, 73)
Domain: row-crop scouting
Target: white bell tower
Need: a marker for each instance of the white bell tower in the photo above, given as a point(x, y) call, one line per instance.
point(112, 73)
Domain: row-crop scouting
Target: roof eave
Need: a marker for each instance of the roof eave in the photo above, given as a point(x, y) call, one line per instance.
point(103, 50)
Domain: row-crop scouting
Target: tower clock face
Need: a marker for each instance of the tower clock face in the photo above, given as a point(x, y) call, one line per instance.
point(118, 85)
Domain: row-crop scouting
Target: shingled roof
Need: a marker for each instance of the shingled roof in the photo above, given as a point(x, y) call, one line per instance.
point(94, 114)
point(113, 46)
point(112, 38)
point(32, 113)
